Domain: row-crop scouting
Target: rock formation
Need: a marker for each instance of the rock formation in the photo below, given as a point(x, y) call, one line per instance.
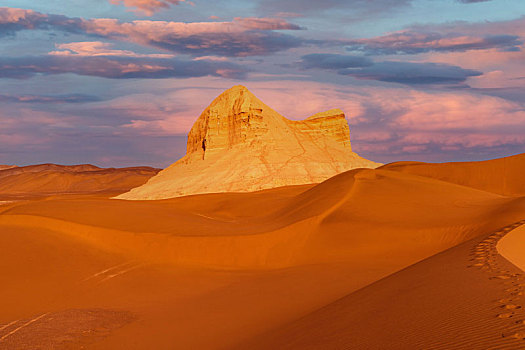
point(239, 144)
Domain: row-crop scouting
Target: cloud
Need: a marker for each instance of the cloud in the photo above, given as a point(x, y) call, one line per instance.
point(354, 8)
point(471, 1)
point(388, 71)
point(239, 37)
point(14, 19)
point(49, 99)
point(412, 73)
point(334, 61)
point(416, 41)
point(459, 36)
point(148, 7)
point(500, 65)
point(254, 23)
point(97, 48)
point(33, 135)
point(115, 67)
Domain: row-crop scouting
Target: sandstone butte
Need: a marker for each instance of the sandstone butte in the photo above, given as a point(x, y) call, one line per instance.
point(239, 144)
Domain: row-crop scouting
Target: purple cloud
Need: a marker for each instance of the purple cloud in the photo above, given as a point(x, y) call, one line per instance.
point(415, 41)
point(412, 73)
point(334, 61)
point(388, 71)
point(14, 19)
point(362, 7)
point(471, 1)
point(50, 99)
point(116, 67)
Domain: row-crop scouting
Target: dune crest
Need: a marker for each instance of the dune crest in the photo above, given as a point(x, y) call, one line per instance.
point(502, 175)
point(239, 144)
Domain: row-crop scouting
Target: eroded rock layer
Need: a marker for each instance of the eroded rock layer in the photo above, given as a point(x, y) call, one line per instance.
point(239, 144)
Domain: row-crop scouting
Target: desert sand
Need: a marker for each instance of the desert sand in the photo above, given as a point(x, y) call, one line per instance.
point(239, 144)
point(512, 247)
point(368, 259)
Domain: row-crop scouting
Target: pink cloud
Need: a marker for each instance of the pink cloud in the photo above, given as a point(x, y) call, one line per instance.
point(453, 111)
point(240, 37)
point(413, 42)
point(450, 37)
point(500, 67)
point(15, 15)
point(116, 67)
point(97, 48)
point(251, 23)
point(145, 30)
point(496, 48)
point(23, 127)
point(148, 7)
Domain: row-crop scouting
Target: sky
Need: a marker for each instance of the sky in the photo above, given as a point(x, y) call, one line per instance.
point(120, 82)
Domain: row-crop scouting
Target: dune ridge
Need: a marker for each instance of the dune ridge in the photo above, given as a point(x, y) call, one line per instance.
point(502, 175)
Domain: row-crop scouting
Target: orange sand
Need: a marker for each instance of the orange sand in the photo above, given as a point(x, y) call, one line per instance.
point(312, 266)
point(512, 247)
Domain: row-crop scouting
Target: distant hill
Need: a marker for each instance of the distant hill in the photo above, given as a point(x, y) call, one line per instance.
point(50, 179)
point(3, 167)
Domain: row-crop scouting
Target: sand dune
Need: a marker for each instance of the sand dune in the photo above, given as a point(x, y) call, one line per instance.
point(467, 297)
point(503, 176)
point(293, 267)
point(52, 179)
point(330, 222)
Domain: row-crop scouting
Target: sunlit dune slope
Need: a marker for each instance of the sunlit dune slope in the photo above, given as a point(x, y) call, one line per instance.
point(52, 179)
point(503, 175)
point(467, 297)
point(512, 247)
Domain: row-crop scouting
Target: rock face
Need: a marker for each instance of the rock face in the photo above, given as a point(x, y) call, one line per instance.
point(239, 144)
